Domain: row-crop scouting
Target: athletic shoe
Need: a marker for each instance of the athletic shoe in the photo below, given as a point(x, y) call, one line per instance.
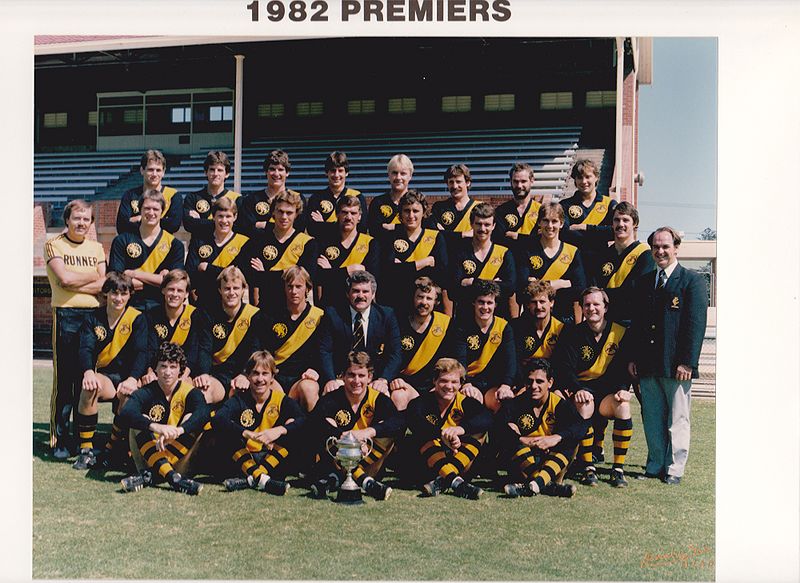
point(186, 485)
point(86, 459)
point(517, 490)
point(319, 489)
point(103, 460)
point(132, 483)
point(434, 487)
point(647, 476)
point(233, 484)
point(376, 489)
point(598, 455)
point(277, 487)
point(468, 491)
point(559, 490)
point(590, 478)
point(618, 479)
point(60, 453)
point(672, 480)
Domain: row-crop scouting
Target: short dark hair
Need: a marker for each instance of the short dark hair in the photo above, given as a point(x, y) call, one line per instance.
point(413, 196)
point(482, 210)
point(362, 276)
point(176, 275)
point(116, 281)
point(171, 352)
point(626, 208)
point(337, 159)
point(360, 358)
point(484, 287)
point(223, 203)
point(676, 238)
point(275, 158)
point(520, 167)
point(539, 364)
point(78, 203)
point(153, 155)
point(582, 167)
point(458, 170)
point(217, 157)
point(347, 202)
point(538, 287)
point(594, 289)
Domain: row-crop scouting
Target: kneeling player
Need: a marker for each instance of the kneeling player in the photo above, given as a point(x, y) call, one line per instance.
point(165, 418)
point(256, 426)
point(360, 410)
point(448, 430)
point(537, 434)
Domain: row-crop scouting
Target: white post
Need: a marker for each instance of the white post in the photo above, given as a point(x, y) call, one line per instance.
point(237, 124)
point(618, 137)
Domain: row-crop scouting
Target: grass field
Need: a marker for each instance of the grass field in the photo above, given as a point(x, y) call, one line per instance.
point(86, 528)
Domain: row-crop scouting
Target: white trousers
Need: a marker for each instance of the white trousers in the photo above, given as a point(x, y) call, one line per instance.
point(666, 403)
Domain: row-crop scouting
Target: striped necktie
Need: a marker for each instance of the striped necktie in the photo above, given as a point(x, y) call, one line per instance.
point(358, 333)
point(662, 279)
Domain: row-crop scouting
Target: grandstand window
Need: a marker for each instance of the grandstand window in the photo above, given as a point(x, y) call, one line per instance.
point(309, 108)
point(181, 114)
point(133, 116)
point(91, 119)
point(403, 105)
point(361, 106)
point(55, 120)
point(601, 99)
point(556, 100)
point(456, 103)
point(499, 102)
point(271, 110)
point(220, 113)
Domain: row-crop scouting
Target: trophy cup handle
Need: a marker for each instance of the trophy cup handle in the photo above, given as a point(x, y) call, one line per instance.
point(369, 443)
point(332, 441)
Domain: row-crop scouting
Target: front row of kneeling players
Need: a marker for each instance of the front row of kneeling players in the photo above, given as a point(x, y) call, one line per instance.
point(536, 432)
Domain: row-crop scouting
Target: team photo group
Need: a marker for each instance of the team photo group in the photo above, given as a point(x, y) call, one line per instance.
point(447, 340)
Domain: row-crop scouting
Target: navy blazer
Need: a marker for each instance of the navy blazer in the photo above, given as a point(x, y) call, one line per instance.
point(669, 325)
point(336, 341)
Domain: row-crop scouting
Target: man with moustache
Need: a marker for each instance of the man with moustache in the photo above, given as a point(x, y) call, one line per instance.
point(384, 210)
point(517, 217)
point(152, 167)
point(536, 331)
point(321, 213)
point(197, 218)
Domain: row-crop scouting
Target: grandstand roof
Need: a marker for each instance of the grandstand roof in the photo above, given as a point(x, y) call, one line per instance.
point(61, 44)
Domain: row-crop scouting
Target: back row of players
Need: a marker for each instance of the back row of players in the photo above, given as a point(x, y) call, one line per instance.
point(313, 349)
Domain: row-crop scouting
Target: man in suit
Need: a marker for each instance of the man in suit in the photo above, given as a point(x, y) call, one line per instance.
point(360, 325)
point(668, 331)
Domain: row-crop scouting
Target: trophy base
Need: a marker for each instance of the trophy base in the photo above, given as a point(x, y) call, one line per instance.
point(350, 497)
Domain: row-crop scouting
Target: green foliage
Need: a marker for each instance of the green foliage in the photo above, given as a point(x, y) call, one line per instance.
point(86, 528)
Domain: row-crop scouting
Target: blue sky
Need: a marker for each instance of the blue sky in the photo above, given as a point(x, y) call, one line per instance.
point(678, 137)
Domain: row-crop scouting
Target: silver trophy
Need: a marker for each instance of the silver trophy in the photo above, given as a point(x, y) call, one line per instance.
point(348, 454)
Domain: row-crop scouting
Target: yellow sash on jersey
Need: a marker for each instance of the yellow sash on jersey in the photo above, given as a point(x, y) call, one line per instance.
point(455, 407)
point(561, 263)
point(270, 414)
point(183, 326)
point(228, 194)
point(425, 243)
point(429, 345)
point(479, 364)
point(530, 218)
point(240, 328)
point(358, 251)
point(553, 331)
point(347, 192)
point(607, 352)
point(627, 265)
point(122, 332)
point(293, 252)
point(464, 223)
point(159, 252)
point(547, 418)
point(493, 262)
point(598, 212)
point(167, 193)
point(367, 410)
point(177, 404)
point(302, 333)
point(230, 251)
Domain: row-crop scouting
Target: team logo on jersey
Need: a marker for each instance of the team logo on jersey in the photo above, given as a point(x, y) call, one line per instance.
point(386, 211)
point(332, 252)
point(432, 419)
point(262, 208)
point(163, 247)
point(448, 217)
point(473, 342)
point(456, 414)
point(297, 249)
point(343, 417)
point(185, 324)
point(496, 260)
point(202, 206)
point(269, 252)
point(272, 411)
point(135, 206)
point(362, 247)
point(407, 343)
point(100, 333)
point(247, 418)
point(676, 303)
point(124, 329)
point(608, 268)
point(311, 323)
point(553, 339)
point(428, 238)
point(575, 212)
point(550, 418)
point(511, 220)
point(243, 323)
point(437, 331)
point(205, 251)
point(587, 353)
point(529, 343)
point(601, 208)
point(178, 409)
point(233, 250)
point(326, 206)
point(161, 331)
point(526, 422)
point(156, 412)
point(469, 266)
point(280, 329)
point(401, 245)
point(536, 262)
point(611, 349)
point(631, 260)
point(219, 331)
point(565, 258)
point(495, 338)
point(368, 411)
point(133, 250)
